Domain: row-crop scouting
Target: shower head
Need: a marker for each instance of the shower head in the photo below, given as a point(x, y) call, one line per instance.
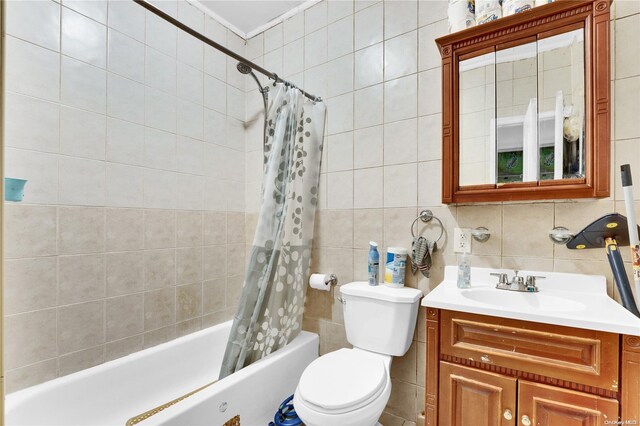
point(244, 68)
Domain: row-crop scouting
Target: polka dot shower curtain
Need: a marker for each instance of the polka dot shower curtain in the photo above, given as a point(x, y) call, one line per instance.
point(269, 314)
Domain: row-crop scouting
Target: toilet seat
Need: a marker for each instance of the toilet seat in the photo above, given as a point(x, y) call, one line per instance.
point(343, 381)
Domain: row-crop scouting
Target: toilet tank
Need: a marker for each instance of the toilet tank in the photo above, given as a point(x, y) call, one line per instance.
point(379, 318)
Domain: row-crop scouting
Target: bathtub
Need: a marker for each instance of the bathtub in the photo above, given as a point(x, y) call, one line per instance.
point(113, 392)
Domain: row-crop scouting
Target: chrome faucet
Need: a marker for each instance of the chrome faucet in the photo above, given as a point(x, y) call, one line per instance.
point(517, 283)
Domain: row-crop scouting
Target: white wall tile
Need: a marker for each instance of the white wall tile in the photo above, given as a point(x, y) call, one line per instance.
point(429, 55)
point(160, 71)
point(400, 99)
point(399, 17)
point(369, 66)
point(315, 48)
point(340, 38)
point(125, 142)
point(367, 188)
point(430, 183)
point(430, 11)
point(215, 94)
point(83, 38)
point(215, 31)
point(159, 150)
point(126, 56)
point(190, 84)
point(191, 16)
point(235, 77)
point(125, 99)
point(315, 81)
point(159, 189)
point(214, 197)
point(39, 169)
point(94, 9)
point(190, 156)
point(215, 63)
point(160, 110)
point(215, 127)
point(235, 203)
point(255, 46)
point(273, 38)
point(340, 113)
point(235, 103)
point(81, 182)
point(190, 50)
point(293, 57)
point(627, 108)
point(400, 142)
point(83, 85)
point(340, 190)
point(82, 133)
point(400, 185)
point(339, 76)
point(124, 185)
point(31, 123)
point(401, 56)
point(293, 28)
point(368, 147)
point(339, 152)
point(430, 137)
point(369, 26)
point(338, 9)
point(161, 35)
point(35, 21)
point(127, 17)
point(368, 106)
point(315, 17)
point(190, 119)
point(429, 85)
point(32, 70)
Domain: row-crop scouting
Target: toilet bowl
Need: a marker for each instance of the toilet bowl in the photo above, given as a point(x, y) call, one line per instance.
point(347, 387)
point(351, 387)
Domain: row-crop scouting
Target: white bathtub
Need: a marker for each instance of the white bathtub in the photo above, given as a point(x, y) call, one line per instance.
point(112, 393)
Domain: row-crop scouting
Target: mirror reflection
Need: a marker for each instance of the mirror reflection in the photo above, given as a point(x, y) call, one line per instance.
point(522, 116)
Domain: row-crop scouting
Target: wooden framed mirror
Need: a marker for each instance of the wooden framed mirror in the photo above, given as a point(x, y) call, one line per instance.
point(525, 106)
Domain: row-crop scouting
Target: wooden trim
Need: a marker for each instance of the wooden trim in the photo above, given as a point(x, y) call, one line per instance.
point(551, 406)
point(630, 379)
point(576, 355)
point(541, 21)
point(432, 367)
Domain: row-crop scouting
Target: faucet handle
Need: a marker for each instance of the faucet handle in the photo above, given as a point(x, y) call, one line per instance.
point(531, 282)
point(502, 277)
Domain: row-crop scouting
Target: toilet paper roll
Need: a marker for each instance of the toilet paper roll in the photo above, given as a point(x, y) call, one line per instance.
point(320, 281)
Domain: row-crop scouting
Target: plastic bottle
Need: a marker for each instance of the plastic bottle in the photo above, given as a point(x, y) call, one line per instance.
point(464, 271)
point(374, 263)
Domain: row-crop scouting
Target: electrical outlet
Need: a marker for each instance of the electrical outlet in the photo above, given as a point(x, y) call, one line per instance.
point(462, 240)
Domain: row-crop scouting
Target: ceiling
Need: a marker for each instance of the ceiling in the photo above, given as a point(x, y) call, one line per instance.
point(249, 15)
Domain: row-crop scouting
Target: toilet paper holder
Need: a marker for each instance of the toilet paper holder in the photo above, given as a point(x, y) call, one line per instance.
point(332, 280)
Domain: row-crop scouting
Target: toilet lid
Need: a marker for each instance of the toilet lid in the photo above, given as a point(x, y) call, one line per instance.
point(342, 379)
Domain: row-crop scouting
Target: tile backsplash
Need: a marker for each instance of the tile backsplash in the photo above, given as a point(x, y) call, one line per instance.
point(139, 143)
point(131, 135)
point(381, 80)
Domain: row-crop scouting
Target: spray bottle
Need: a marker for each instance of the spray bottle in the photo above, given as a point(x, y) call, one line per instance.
point(374, 263)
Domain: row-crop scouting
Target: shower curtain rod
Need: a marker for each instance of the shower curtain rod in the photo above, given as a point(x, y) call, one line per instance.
point(151, 8)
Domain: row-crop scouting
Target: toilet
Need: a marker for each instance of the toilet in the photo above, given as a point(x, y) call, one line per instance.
point(351, 387)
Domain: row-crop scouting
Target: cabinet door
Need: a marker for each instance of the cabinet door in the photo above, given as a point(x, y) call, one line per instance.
point(471, 397)
point(543, 405)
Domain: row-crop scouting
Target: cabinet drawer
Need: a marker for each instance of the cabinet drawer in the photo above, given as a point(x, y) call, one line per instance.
point(580, 356)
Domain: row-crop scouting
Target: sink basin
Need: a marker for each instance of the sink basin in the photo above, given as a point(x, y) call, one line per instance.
point(534, 301)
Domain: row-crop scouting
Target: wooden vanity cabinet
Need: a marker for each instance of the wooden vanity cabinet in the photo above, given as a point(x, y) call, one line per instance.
point(490, 371)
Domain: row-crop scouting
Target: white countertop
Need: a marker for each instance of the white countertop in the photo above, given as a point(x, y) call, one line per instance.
point(572, 300)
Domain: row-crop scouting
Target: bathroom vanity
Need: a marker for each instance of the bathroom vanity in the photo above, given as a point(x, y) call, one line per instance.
point(566, 355)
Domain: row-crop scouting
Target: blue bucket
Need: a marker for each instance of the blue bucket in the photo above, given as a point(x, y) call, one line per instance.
point(14, 189)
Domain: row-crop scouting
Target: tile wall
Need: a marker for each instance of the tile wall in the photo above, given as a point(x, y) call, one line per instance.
point(377, 66)
point(131, 134)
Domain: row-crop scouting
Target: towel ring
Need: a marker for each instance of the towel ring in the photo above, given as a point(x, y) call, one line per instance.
point(426, 216)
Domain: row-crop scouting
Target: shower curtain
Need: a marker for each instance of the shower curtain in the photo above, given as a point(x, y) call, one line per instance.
point(269, 313)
